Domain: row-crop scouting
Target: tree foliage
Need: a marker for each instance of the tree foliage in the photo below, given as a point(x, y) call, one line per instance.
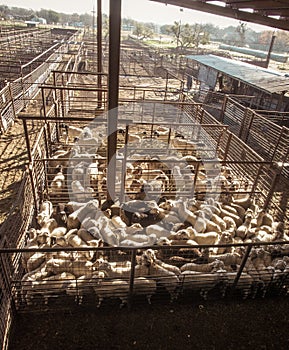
point(186, 35)
point(143, 31)
point(241, 30)
point(50, 16)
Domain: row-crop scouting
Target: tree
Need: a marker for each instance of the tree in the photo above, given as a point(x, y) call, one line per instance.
point(165, 29)
point(281, 43)
point(189, 35)
point(4, 11)
point(49, 15)
point(241, 30)
point(142, 31)
point(176, 30)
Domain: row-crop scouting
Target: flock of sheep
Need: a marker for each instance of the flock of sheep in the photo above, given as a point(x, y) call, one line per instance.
point(165, 202)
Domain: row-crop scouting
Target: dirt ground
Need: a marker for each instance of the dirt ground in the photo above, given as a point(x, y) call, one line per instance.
point(251, 324)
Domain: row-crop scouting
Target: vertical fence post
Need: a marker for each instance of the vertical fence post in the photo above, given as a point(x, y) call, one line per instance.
point(30, 165)
point(246, 136)
point(272, 190)
point(277, 143)
point(131, 279)
point(12, 100)
point(224, 106)
point(227, 145)
point(241, 133)
point(243, 263)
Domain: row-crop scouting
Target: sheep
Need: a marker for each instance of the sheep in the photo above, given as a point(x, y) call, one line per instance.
point(26, 282)
point(79, 192)
point(114, 272)
point(144, 286)
point(79, 287)
point(138, 240)
point(62, 158)
point(107, 235)
point(58, 232)
point(230, 225)
point(203, 282)
point(84, 235)
point(57, 184)
point(216, 264)
point(83, 211)
point(185, 214)
point(165, 278)
point(77, 267)
point(111, 289)
point(35, 261)
point(209, 238)
point(227, 258)
point(242, 230)
point(225, 213)
point(157, 230)
point(46, 210)
point(31, 243)
point(48, 286)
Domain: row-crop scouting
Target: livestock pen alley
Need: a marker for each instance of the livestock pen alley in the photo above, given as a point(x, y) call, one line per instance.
point(199, 220)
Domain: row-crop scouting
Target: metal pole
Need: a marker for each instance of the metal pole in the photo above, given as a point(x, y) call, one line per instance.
point(113, 90)
point(131, 280)
point(99, 53)
point(243, 263)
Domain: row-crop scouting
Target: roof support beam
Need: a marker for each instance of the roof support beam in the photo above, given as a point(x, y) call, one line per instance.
point(228, 12)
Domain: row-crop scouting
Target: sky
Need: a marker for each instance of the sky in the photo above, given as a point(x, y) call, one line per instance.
point(140, 10)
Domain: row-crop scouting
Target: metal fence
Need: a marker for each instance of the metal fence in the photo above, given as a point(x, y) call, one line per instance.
point(17, 94)
point(67, 277)
point(37, 286)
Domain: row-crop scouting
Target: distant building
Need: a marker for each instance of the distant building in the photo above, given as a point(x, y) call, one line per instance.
point(35, 21)
point(32, 24)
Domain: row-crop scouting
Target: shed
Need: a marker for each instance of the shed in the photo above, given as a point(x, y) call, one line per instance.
point(32, 24)
point(236, 77)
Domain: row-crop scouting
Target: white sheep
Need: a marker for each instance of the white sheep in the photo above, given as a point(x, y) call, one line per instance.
point(46, 210)
point(114, 271)
point(57, 184)
point(203, 282)
point(49, 286)
point(116, 288)
point(79, 192)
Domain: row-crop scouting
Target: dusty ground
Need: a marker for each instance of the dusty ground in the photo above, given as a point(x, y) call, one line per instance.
point(252, 324)
point(13, 159)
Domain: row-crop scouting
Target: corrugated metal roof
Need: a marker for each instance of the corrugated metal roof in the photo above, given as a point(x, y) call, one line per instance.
point(265, 79)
